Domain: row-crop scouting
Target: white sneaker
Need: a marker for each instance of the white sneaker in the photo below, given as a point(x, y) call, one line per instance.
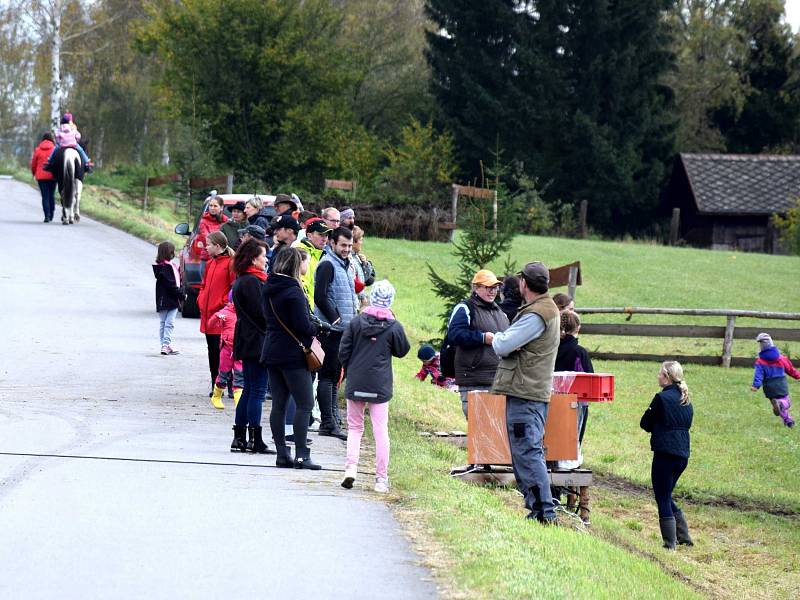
point(381, 485)
point(350, 474)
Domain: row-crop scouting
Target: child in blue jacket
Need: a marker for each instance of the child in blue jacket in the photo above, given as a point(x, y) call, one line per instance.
point(771, 370)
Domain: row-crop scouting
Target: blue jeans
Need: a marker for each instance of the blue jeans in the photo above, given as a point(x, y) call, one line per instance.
point(665, 472)
point(525, 424)
point(167, 324)
point(78, 147)
point(48, 190)
point(248, 411)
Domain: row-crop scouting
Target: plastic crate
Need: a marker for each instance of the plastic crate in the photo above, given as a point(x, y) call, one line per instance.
point(589, 387)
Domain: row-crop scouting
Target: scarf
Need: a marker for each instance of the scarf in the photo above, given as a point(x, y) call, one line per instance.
point(253, 270)
point(175, 271)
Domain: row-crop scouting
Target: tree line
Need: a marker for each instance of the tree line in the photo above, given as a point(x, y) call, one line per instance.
point(558, 100)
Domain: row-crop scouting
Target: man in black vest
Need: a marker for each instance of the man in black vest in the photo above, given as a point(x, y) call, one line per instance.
point(471, 328)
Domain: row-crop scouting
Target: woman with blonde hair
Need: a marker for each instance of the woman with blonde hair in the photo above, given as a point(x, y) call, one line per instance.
point(668, 420)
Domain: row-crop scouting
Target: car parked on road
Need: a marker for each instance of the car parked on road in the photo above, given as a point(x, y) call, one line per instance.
point(191, 267)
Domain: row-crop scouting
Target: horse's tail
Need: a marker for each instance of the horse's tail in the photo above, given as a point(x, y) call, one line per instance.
point(69, 183)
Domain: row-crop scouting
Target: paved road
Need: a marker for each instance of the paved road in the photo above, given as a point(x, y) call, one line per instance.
point(144, 500)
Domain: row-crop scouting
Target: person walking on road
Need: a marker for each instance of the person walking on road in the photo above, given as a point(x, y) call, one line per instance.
point(44, 178)
point(668, 420)
point(289, 326)
point(217, 281)
point(368, 345)
point(249, 265)
point(168, 294)
point(335, 303)
point(527, 351)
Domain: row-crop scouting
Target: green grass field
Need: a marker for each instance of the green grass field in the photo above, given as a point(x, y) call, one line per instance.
point(741, 491)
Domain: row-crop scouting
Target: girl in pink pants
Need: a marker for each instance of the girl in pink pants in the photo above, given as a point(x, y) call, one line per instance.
point(368, 344)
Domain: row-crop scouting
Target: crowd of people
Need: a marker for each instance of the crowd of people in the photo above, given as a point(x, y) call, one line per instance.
point(277, 283)
point(277, 288)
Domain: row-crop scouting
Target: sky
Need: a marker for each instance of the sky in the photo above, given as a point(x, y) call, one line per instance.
point(793, 14)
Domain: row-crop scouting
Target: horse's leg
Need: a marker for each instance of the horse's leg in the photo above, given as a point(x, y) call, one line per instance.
point(77, 203)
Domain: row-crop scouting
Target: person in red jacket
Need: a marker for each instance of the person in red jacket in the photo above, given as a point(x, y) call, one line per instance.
point(45, 179)
point(217, 281)
point(212, 220)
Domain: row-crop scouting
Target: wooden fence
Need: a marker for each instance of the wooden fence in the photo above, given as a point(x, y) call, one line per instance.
point(727, 333)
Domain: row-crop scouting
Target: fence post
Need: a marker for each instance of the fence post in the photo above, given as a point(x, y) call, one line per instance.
point(229, 184)
point(584, 208)
point(455, 211)
point(727, 344)
point(144, 202)
point(572, 282)
point(674, 226)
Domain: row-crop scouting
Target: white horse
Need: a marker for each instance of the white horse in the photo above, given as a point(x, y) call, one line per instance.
point(71, 187)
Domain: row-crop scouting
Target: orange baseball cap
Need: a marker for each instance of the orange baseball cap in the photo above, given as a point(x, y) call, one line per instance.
point(486, 278)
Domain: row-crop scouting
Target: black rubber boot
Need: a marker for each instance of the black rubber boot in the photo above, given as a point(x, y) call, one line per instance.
point(668, 534)
point(239, 443)
point(256, 443)
point(303, 461)
point(682, 530)
point(284, 459)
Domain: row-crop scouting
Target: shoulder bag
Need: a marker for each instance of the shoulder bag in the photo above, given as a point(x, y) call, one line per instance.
point(315, 355)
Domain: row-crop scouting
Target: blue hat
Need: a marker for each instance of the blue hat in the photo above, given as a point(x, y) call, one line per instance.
point(426, 352)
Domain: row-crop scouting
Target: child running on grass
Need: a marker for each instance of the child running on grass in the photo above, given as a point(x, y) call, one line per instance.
point(368, 345)
point(168, 294)
point(771, 370)
point(230, 370)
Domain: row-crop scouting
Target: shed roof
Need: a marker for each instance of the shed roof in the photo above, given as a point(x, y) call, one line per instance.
point(749, 184)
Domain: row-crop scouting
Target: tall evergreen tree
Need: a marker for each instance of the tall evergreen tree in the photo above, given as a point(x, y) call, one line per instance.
point(770, 115)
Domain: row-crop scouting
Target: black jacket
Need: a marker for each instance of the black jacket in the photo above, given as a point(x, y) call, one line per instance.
point(168, 294)
point(573, 357)
point(668, 422)
point(280, 349)
point(366, 351)
point(251, 322)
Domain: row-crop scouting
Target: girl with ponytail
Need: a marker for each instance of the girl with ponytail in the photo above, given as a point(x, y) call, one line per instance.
point(668, 420)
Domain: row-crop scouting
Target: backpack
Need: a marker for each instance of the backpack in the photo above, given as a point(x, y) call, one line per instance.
point(447, 352)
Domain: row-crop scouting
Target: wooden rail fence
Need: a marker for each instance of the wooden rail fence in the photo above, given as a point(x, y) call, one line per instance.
point(728, 333)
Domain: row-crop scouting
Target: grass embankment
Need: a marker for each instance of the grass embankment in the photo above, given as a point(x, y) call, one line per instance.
point(742, 454)
point(744, 464)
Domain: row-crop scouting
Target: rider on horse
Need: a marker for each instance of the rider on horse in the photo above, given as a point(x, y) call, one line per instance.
point(67, 136)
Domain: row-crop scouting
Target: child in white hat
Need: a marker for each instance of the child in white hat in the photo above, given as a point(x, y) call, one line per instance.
point(771, 370)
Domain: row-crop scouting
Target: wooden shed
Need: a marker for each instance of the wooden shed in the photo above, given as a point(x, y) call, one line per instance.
point(726, 201)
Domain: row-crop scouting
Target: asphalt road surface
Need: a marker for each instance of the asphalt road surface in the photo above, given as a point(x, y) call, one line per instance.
point(115, 474)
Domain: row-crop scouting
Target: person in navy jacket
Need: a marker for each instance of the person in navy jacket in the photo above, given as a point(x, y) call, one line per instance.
point(668, 420)
point(771, 370)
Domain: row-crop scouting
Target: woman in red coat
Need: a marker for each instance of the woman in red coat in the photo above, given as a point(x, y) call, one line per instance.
point(217, 281)
point(45, 179)
point(212, 220)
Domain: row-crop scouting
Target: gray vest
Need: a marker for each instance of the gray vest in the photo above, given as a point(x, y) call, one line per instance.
point(342, 290)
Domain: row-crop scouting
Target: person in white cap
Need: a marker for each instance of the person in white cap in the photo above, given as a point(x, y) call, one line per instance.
point(369, 342)
point(771, 370)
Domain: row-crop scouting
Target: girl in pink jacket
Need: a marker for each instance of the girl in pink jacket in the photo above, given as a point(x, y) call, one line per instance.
point(68, 136)
point(230, 370)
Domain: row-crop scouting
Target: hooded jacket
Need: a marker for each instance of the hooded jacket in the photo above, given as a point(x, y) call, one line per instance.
point(573, 357)
point(368, 344)
point(168, 293)
point(67, 136)
point(771, 370)
point(225, 319)
point(217, 282)
point(39, 160)
point(280, 348)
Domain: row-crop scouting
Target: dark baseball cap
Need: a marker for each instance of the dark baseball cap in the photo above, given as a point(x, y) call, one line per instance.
point(255, 231)
point(285, 222)
point(317, 225)
point(536, 272)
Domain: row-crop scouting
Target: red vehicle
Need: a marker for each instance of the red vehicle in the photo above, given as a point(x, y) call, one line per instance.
point(189, 256)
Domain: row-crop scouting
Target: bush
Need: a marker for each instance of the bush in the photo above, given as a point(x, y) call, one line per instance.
point(788, 227)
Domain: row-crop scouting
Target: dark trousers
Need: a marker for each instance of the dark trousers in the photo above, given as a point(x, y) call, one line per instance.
point(328, 386)
point(212, 341)
point(525, 424)
point(248, 411)
point(287, 384)
point(665, 472)
point(48, 190)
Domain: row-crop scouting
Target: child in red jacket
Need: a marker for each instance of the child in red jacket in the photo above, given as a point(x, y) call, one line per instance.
point(430, 366)
point(771, 370)
point(230, 370)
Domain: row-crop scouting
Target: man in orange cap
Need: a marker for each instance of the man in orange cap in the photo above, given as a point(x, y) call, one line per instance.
point(471, 329)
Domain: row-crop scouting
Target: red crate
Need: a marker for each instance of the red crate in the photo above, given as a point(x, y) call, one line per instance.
point(593, 387)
